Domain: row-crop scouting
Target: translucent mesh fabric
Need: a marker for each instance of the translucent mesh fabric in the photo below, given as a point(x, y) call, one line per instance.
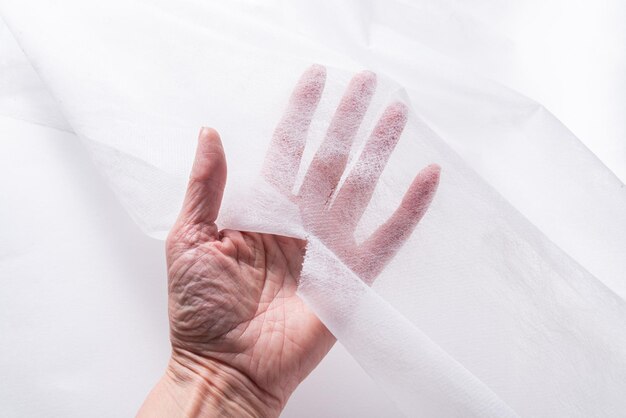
point(478, 313)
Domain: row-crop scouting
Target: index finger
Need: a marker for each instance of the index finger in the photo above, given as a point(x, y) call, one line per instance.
point(283, 158)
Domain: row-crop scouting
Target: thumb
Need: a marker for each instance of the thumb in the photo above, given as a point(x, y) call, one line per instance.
point(206, 181)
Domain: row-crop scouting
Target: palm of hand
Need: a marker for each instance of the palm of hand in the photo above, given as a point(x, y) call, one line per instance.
point(233, 300)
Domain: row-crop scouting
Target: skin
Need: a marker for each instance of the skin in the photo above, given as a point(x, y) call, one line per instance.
point(242, 339)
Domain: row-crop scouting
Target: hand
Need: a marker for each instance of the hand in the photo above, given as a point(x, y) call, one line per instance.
point(332, 215)
point(242, 339)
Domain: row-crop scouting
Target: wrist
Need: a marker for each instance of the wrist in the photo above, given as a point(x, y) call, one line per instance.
point(195, 387)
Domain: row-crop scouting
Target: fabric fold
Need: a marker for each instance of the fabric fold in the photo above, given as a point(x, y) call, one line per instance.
point(509, 294)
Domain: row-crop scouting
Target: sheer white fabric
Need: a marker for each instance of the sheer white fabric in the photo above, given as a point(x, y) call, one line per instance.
point(506, 300)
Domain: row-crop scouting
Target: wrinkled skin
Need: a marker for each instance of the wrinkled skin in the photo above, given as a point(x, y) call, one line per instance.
point(234, 313)
point(233, 300)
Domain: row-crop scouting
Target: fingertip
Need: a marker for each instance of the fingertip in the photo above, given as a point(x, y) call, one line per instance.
point(316, 71)
point(392, 122)
point(367, 76)
point(209, 135)
point(209, 142)
point(210, 156)
point(366, 81)
point(203, 132)
point(369, 73)
point(310, 86)
point(315, 75)
point(423, 188)
point(397, 113)
point(428, 178)
point(433, 171)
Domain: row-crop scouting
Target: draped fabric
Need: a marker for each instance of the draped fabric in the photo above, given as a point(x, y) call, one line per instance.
point(508, 297)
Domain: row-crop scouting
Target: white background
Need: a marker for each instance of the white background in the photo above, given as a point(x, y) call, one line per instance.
point(91, 285)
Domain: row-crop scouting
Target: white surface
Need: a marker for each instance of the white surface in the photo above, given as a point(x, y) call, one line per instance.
point(83, 291)
point(512, 142)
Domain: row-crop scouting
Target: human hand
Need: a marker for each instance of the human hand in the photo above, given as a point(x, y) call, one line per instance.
point(331, 212)
point(242, 339)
